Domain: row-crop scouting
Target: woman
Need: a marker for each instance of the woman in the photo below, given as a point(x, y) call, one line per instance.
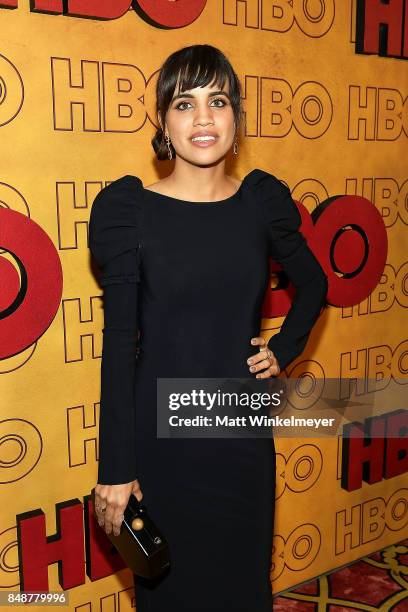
point(185, 266)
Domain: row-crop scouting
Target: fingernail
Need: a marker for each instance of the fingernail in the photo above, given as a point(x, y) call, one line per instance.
point(250, 361)
point(252, 368)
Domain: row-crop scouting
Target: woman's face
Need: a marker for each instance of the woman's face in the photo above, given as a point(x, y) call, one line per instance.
point(204, 112)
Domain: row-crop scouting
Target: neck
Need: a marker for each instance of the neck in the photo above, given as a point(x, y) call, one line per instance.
point(205, 183)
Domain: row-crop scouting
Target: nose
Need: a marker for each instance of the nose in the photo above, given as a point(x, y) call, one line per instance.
point(203, 115)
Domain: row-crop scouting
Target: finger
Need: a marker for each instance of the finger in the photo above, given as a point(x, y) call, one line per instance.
point(257, 341)
point(101, 518)
point(260, 356)
point(274, 363)
point(117, 522)
point(262, 345)
point(114, 518)
point(273, 370)
point(99, 504)
point(261, 365)
point(109, 514)
point(137, 492)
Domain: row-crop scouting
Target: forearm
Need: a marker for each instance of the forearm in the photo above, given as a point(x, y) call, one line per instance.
point(311, 288)
point(117, 458)
point(309, 299)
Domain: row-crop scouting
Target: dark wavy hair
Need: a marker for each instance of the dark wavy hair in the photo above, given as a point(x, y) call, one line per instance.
point(197, 66)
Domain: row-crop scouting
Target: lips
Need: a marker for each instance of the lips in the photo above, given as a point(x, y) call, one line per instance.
point(203, 133)
point(207, 142)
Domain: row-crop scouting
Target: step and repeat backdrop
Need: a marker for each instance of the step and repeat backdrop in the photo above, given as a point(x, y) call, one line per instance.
point(325, 87)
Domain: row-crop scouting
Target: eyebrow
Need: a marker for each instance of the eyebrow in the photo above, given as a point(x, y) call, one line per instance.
point(213, 93)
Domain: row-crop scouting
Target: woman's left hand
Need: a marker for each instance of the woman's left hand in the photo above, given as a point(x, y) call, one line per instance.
point(264, 360)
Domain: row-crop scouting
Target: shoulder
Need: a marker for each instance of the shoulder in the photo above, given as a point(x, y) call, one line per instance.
point(119, 195)
point(115, 218)
point(261, 179)
point(273, 198)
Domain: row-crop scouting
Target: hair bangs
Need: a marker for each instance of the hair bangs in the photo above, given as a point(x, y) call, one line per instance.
point(200, 73)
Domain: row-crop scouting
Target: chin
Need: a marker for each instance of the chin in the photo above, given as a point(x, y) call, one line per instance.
point(202, 157)
point(213, 153)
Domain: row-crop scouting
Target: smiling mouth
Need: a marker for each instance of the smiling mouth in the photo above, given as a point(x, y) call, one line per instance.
point(203, 139)
point(203, 142)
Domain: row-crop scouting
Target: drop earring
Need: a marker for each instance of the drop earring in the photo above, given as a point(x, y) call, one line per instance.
point(170, 154)
point(235, 147)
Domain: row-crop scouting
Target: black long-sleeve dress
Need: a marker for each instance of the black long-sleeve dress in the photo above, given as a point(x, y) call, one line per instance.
point(184, 284)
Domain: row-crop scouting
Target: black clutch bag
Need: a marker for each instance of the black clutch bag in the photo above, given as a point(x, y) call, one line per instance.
point(141, 545)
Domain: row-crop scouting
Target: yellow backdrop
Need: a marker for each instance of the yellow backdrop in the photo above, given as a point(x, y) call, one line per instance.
point(77, 111)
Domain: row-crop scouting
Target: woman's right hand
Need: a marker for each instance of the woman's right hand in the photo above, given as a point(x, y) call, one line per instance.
point(111, 501)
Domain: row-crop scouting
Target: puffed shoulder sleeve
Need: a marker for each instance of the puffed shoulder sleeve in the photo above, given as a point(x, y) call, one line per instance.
point(114, 242)
point(288, 247)
point(114, 230)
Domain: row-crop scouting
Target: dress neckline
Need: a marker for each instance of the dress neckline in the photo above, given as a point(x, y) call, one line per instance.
point(228, 200)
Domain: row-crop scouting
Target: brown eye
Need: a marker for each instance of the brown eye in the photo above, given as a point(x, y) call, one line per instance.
point(179, 105)
point(220, 100)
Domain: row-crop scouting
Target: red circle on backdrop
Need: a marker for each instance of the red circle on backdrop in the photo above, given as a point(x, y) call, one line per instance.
point(330, 218)
point(29, 313)
point(169, 13)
